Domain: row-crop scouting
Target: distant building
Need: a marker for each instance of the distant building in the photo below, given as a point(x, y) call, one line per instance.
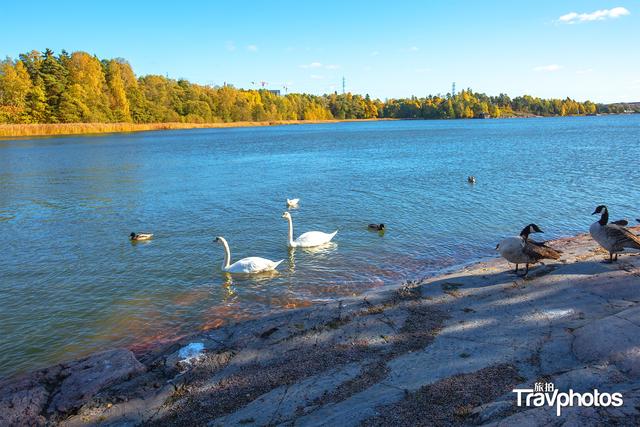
point(483, 116)
point(276, 92)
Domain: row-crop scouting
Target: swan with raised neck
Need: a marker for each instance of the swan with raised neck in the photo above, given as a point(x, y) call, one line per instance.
point(308, 239)
point(247, 265)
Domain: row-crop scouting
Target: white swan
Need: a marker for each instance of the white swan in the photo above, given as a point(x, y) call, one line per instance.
point(308, 239)
point(245, 265)
point(292, 203)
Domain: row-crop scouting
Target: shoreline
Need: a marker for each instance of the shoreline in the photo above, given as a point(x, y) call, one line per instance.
point(21, 131)
point(26, 131)
point(474, 333)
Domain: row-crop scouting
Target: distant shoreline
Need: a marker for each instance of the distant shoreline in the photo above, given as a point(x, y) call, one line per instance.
point(10, 131)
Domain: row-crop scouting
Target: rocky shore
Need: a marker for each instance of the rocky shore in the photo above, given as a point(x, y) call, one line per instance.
point(447, 350)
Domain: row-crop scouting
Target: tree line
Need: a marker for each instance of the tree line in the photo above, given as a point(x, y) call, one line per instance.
point(81, 88)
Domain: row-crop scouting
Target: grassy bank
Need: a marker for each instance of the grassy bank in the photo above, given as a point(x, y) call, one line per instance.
point(25, 130)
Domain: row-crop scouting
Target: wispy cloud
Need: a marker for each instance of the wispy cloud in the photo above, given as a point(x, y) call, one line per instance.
point(585, 71)
point(375, 53)
point(316, 77)
point(312, 65)
point(252, 48)
point(548, 68)
point(230, 46)
point(316, 65)
point(414, 49)
point(598, 15)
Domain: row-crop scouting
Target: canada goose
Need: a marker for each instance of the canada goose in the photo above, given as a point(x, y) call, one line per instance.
point(245, 265)
point(521, 250)
point(137, 237)
point(292, 203)
point(622, 222)
point(376, 227)
point(614, 238)
point(471, 179)
point(308, 239)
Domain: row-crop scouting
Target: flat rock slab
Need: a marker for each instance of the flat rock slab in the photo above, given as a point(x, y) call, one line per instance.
point(614, 339)
point(63, 388)
point(86, 377)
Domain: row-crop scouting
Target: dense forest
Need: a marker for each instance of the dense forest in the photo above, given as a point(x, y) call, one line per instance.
point(80, 88)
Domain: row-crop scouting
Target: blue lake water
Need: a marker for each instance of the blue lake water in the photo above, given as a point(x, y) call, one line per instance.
point(71, 282)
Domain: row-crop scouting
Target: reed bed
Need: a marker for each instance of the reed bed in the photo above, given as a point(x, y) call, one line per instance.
point(26, 130)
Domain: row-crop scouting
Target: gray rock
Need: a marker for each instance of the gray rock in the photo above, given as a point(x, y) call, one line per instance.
point(614, 339)
point(22, 402)
point(490, 411)
point(85, 377)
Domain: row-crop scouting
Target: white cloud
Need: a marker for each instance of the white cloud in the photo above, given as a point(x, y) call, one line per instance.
point(414, 48)
point(548, 68)
point(598, 15)
point(585, 71)
point(252, 48)
point(316, 77)
point(316, 65)
point(230, 46)
point(312, 65)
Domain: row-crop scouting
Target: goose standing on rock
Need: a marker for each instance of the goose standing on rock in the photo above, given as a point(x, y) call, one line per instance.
point(521, 250)
point(248, 265)
point(308, 239)
point(613, 237)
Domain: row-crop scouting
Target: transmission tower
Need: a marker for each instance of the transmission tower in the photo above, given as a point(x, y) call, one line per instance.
point(453, 89)
point(343, 84)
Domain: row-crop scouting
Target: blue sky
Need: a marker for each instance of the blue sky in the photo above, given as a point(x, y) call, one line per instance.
point(387, 49)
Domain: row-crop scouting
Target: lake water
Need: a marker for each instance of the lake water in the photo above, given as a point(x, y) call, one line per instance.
point(72, 283)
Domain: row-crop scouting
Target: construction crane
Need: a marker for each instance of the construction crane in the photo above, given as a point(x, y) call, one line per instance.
point(264, 84)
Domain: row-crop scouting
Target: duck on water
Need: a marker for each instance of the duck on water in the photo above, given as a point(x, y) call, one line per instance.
point(139, 237)
point(611, 236)
point(521, 250)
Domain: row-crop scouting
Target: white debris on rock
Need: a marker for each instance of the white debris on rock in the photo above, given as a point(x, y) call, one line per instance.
point(191, 353)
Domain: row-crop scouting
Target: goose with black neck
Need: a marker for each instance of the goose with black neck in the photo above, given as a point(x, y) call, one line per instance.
point(612, 237)
point(521, 250)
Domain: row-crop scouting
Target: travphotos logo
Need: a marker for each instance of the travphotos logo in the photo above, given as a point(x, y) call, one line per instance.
point(546, 394)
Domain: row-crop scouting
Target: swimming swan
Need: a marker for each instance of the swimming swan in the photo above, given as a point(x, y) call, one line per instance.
point(137, 237)
point(308, 239)
point(248, 265)
point(613, 237)
point(292, 203)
